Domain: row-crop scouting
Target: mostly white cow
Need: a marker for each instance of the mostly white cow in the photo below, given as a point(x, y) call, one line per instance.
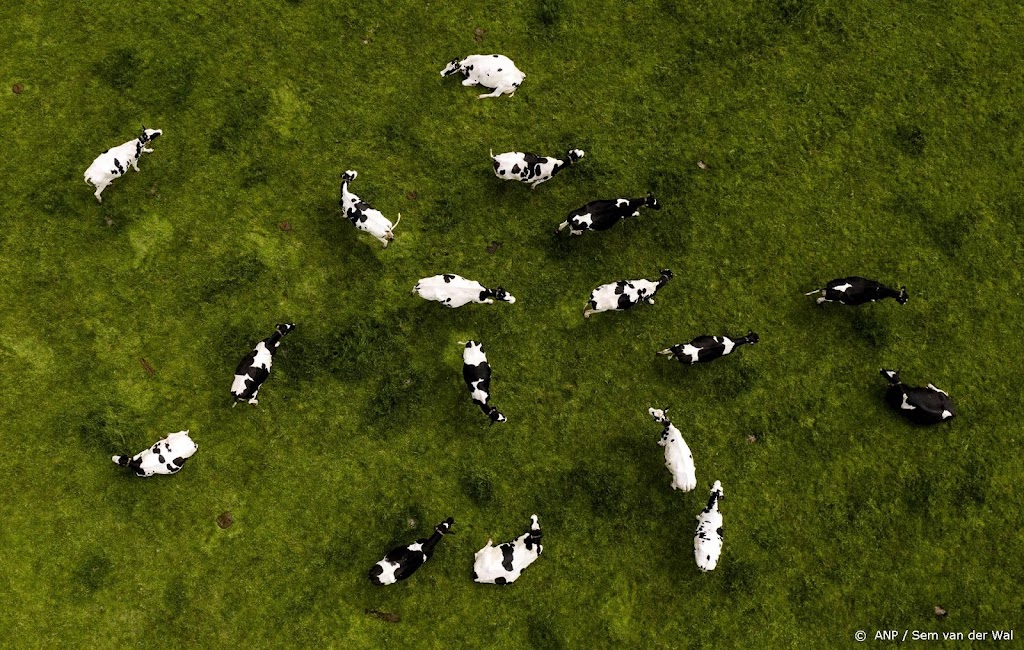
point(504, 563)
point(362, 215)
point(254, 369)
point(624, 294)
point(477, 374)
point(488, 70)
point(707, 542)
point(531, 168)
point(857, 291)
point(708, 348)
point(920, 405)
point(166, 456)
point(455, 291)
point(113, 163)
point(602, 215)
point(678, 458)
point(402, 561)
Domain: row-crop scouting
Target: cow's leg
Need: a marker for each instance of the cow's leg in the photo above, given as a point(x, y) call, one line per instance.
point(820, 300)
point(562, 226)
point(470, 82)
point(650, 301)
point(538, 182)
point(495, 93)
point(588, 312)
point(99, 190)
point(147, 151)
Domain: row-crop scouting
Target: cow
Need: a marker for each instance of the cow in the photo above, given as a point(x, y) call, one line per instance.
point(113, 163)
point(929, 405)
point(678, 458)
point(857, 291)
point(403, 561)
point(477, 374)
point(488, 70)
point(455, 291)
point(602, 215)
point(362, 215)
point(621, 295)
point(254, 369)
point(531, 168)
point(166, 456)
point(708, 348)
point(504, 563)
point(707, 542)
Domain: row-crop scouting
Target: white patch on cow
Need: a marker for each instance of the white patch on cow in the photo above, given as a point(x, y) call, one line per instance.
point(455, 292)
point(938, 390)
point(707, 542)
point(160, 458)
point(842, 288)
point(678, 458)
point(621, 203)
point(906, 405)
point(114, 163)
point(728, 343)
point(946, 414)
point(489, 562)
point(489, 70)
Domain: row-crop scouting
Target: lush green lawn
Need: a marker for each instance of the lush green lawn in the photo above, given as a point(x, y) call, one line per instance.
point(878, 138)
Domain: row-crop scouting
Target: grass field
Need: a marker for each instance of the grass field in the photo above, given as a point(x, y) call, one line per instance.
point(877, 138)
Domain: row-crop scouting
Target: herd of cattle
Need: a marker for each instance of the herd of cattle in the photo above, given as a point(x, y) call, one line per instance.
point(504, 564)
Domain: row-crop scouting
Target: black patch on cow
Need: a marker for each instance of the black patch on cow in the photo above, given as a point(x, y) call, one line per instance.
point(620, 288)
point(625, 302)
point(161, 458)
point(179, 461)
point(515, 169)
point(506, 556)
point(448, 277)
point(719, 531)
point(500, 581)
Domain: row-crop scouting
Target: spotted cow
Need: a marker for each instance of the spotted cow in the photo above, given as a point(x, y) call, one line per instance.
point(488, 70)
point(402, 561)
point(531, 168)
point(602, 215)
point(708, 348)
point(455, 291)
point(477, 374)
point(363, 216)
point(254, 369)
point(166, 456)
point(678, 458)
point(929, 405)
point(707, 542)
point(113, 163)
point(857, 291)
point(624, 294)
point(504, 563)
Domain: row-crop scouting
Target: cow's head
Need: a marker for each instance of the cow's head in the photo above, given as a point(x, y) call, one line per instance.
point(752, 337)
point(285, 328)
point(575, 154)
point(445, 526)
point(716, 491)
point(659, 415)
point(495, 415)
point(666, 275)
point(652, 202)
point(149, 135)
point(504, 296)
point(181, 445)
point(535, 535)
point(452, 67)
point(903, 296)
point(893, 376)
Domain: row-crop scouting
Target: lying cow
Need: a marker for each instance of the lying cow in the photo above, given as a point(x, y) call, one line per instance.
point(857, 291)
point(624, 294)
point(455, 291)
point(167, 456)
point(363, 216)
point(477, 374)
point(402, 561)
point(488, 70)
point(707, 543)
point(602, 215)
point(504, 563)
point(531, 168)
point(678, 458)
point(113, 163)
point(254, 369)
point(929, 405)
point(708, 348)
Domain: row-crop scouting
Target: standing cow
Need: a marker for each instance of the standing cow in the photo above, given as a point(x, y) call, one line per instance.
point(929, 405)
point(402, 561)
point(602, 215)
point(362, 215)
point(707, 542)
point(113, 163)
point(254, 369)
point(857, 291)
point(531, 168)
point(503, 564)
point(708, 348)
point(624, 294)
point(489, 70)
point(455, 291)
point(477, 374)
point(678, 458)
point(166, 456)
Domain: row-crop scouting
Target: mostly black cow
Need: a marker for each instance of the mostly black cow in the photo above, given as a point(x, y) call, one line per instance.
point(857, 291)
point(708, 348)
point(402, 561)
point(254, 369)
point(602, 215)
point(477, 374)
point(920, 405)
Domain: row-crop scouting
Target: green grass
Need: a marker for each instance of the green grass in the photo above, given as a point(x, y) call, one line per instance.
point(877, 138)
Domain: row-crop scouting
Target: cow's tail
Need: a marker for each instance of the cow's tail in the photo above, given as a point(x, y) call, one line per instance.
point(395, 225)
point(492, 154)
point(811, 293)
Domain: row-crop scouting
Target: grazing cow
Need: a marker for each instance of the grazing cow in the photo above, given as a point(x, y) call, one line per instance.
point(504, 563)
point(929, 405)
point(166, 456)
point(857, 291)
point(531, 168)
point(402, 561)
point(488, 70)
point(362, 215)
point(707, 543)
point(678, 458)
point(708, 348)
point(113, 163)
point(602, 215)
point(477, 374)
point(455, 291)
point(624, 294)
point(254, 369)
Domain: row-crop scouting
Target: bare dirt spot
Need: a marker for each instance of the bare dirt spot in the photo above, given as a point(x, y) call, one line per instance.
point(410, 195)
point(478, 34)
point(17, 89)
point(224, 520)
point(285, 226)
point(940, 613)
point(384, 616)
point(150, 370)
point(493, 248)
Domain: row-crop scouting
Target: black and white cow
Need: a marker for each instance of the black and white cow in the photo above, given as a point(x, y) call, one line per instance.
point(531, 168)
point(362, 215)
point(708, 348)
point(929, 405)
point(402, 561)
point(707, 542)
point(678, 458)
point(254, 369)
point(455, 291)
point(477, 374)
point(857, 291)
point(617, 296)
point(113, 163)
point(488, 70)
point(602, 215)
point(504, 563)
point(166, 456)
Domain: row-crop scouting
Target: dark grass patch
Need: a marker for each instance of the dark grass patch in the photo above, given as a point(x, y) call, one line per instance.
point(910, 140)
point(119, 69)
point(111, 429)
point(550, 13)
point(541, 634)
point(246, 108)
point(230, 276)
point(870, 328)
point(478, 486)
point(91, 574)
point(176, 598)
